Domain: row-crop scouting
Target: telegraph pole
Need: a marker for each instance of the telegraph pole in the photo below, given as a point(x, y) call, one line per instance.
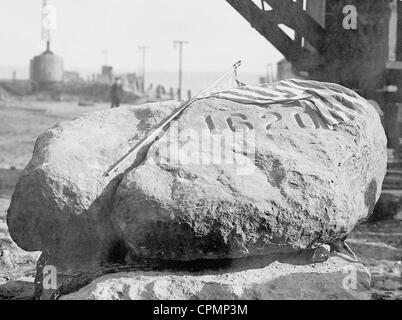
point(270, 73)
point(180, 43)
point(143, 49)
point(48, 22)
point(105, 57)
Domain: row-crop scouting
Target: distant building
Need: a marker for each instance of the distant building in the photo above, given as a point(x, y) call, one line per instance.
point(285, 70)
point(71, 76)
point(107, 75)
point(134, 82)
point(46, 68)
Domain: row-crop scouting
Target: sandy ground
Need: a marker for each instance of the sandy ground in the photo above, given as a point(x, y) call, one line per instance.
point(378, 246)
point(21, 122)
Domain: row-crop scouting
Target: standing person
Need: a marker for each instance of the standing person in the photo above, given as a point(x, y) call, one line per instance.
point(116, 93)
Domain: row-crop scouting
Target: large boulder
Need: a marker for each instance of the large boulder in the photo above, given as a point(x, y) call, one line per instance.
point(230, 180)
point(59, 199)
point(226, 180)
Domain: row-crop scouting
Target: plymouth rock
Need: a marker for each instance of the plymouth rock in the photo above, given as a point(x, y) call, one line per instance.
point(59, 200)
point(230, 180)
point(226, 180)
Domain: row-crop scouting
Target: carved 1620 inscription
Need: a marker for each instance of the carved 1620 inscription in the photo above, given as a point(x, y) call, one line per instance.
point(291, 118)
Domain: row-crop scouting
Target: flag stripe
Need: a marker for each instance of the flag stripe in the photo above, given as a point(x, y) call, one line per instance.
point(333, 102)
point(325, 95)
point(266, 90)
point(330, 120)
point(344, 94)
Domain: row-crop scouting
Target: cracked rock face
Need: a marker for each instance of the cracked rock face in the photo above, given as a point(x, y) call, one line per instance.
point(230, 180)
point(62, 198)
point(226, 180)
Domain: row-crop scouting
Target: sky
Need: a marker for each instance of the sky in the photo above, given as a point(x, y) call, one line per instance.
point(218, 36)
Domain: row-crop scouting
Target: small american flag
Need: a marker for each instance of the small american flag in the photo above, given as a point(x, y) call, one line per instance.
point(335, 104)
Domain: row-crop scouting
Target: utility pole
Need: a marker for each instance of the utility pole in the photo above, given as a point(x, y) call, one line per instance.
point(180, 43)
point(270, 73)
point(105, 57)
point(143, 49)
point(49, 22)
point(45, 25)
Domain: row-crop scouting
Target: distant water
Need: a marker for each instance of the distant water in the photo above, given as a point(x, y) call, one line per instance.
point(194, 81)
point(6, 72)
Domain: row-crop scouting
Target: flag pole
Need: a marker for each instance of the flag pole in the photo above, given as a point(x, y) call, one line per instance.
point(153, 135)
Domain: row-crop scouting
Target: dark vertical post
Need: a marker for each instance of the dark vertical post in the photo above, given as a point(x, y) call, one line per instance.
point(143, 49)
point(180, 44)
point(391, 125)
point(180, 70)
point(316, 9)
point(298, 38)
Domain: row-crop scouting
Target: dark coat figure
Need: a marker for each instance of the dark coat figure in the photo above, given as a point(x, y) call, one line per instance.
point(116, 93)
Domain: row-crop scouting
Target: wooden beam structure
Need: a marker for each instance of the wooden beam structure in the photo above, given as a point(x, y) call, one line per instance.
point(365, 56)
point(399, 36)
point(292, 15)
point(266, 23)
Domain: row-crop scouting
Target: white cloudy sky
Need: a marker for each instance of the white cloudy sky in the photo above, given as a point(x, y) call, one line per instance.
point(218, 35)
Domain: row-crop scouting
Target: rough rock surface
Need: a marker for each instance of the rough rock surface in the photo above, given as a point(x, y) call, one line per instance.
point(278, 281)
point(291, 181)
point(58, 199)
point(285, 180)
point(379, 247)
point(17, 267)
